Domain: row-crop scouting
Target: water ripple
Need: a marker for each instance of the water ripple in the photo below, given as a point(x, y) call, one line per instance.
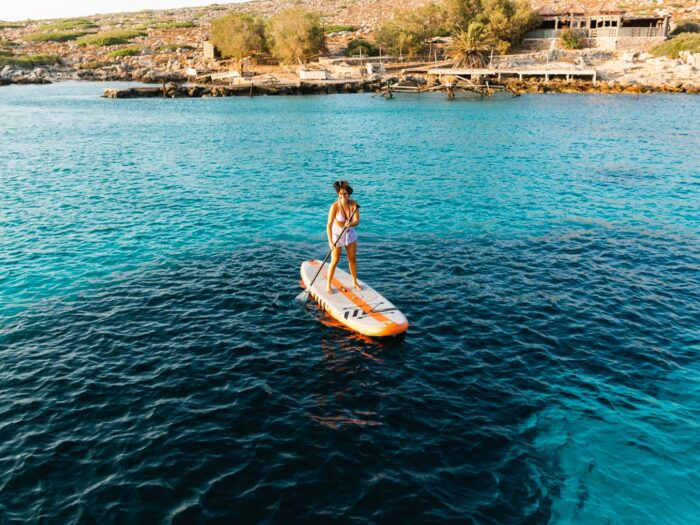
point(156, 368)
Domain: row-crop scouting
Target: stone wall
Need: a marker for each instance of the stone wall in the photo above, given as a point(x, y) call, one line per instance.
point(637, 44)
point(617, 43)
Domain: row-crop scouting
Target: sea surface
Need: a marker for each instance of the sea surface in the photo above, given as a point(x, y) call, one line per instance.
point(155, 367)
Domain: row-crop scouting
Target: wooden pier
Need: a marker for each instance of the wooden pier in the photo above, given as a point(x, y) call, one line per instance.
point(456, 83)
point(498, 74)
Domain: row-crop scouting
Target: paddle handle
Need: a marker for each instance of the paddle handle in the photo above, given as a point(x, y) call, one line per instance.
point(331, 250)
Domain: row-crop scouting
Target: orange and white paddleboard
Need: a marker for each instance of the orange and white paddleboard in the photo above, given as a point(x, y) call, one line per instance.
point(364, 311)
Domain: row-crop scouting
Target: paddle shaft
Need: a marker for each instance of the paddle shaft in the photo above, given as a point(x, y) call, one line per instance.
point(331, 251)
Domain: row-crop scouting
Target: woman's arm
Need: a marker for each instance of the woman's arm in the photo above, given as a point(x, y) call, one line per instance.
point(329, 226)
point(355, 218)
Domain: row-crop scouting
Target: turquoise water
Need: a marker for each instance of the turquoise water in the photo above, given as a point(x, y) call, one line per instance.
point(546, 250)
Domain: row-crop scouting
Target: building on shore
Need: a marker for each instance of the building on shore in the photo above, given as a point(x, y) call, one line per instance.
point(602, 26)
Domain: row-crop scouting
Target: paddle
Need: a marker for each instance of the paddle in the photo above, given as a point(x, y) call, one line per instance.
point(304, 295)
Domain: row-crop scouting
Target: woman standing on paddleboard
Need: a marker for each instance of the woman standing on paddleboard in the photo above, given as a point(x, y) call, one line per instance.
point(344, 213)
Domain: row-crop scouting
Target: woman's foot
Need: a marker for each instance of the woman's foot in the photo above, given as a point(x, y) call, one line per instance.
point(356, 286)
point(329, 290)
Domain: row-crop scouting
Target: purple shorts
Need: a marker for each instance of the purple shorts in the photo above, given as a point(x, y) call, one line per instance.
point(348, 237)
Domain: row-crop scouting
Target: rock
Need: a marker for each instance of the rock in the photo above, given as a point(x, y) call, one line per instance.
point(689, 58)
point(159, 76)
point(137, 74)
point(629, 56)
point(685, 71)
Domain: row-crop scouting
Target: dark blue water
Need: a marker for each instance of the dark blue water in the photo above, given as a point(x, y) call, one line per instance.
point(154, 366)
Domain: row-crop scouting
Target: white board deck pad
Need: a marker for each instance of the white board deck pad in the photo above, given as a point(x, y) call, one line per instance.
point(364, 311)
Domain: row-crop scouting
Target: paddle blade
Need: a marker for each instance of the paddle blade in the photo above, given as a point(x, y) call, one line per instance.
point(303, 296)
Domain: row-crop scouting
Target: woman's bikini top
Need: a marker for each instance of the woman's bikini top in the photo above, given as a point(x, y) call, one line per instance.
point(340, 216)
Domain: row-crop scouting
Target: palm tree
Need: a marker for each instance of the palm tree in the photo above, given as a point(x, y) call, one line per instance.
point(470, 48)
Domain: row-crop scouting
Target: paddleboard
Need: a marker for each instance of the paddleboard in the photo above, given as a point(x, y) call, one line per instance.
point(364, 311)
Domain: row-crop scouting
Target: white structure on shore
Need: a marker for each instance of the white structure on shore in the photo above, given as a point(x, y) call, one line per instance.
point(603, 26)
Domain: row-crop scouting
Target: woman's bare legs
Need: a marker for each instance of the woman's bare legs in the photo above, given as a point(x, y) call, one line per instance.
point(351, 250)
point(335, 257)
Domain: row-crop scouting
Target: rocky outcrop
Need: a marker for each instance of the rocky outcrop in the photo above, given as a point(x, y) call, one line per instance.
point(14, 75)
point(643, 69)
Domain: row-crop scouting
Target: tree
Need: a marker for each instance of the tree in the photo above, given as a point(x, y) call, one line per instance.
point(407, 31)
point(458, 13)
point(470, 47)
point(506, 20)
point(295, 34)
point(238, 35)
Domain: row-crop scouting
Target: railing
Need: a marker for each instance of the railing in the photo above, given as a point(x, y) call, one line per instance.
point(642, 32)
point(602, 32)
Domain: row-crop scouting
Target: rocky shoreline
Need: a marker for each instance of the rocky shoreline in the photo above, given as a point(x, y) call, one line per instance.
point(617, 72)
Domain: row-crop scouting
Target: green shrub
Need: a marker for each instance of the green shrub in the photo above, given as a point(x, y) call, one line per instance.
point(69, 24)
point(686, 26)
point(109, 38)
point(30, 61)
point(5, 53)
point(11, 25)
point(124, 52)
point(337, 28)
point(174, 47)
point(571, 39)
point(164, 25)
point(361, 47)
point(64, 36)
point(683, 42)
point(173, 25)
